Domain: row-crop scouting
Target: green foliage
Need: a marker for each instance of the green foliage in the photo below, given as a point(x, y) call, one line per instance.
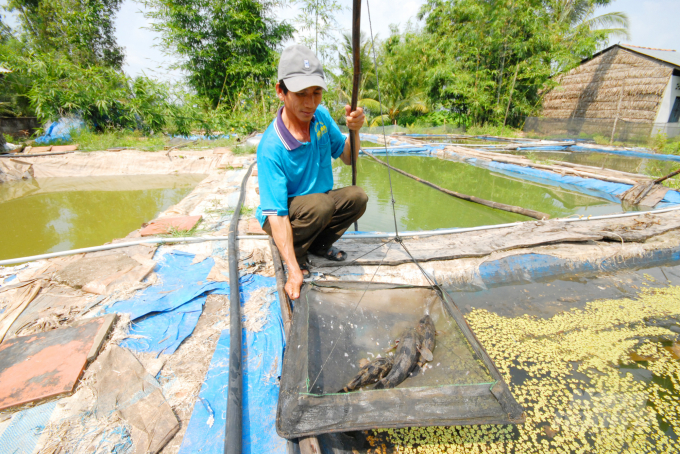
point(14, 86)
point(225, 45)
point(400, 72)
point(493, 60)
point(316, 25)
point(672, 147)
point(439, 118)
point(96, 141)
point(659, 142)
point(341, 83)
point(102, 96)
point(82, 30)
point(494, 130)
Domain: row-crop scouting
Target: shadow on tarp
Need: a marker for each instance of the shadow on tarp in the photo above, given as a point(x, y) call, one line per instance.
point(165, 314)
point(262, 360)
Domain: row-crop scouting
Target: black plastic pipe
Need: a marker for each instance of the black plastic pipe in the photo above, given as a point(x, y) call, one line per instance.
point(233, 431)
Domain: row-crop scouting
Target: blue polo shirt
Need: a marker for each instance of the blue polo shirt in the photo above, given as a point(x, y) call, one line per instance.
point(288, 168)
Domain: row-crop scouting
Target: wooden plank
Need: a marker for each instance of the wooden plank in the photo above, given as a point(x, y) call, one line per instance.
point(286, 312)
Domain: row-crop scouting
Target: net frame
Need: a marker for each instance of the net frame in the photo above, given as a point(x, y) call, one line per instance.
point(301, 413)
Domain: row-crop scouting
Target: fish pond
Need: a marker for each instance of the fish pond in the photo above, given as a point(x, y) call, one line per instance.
point(56, 214)
point(594, 359)
point(420, 207)
point(644, 166)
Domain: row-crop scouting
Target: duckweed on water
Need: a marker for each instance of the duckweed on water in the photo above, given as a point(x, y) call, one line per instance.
point(575, 376)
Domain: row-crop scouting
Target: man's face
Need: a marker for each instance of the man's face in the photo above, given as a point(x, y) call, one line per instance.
point(301, 104)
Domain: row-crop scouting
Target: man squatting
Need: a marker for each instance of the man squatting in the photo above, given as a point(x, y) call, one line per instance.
point(298, 206)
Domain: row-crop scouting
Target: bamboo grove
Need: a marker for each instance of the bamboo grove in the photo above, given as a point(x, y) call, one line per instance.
point(460, 62)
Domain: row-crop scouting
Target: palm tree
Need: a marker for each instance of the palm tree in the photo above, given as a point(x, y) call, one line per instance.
point(343, 81)
point(393, 106)
point(582, 13)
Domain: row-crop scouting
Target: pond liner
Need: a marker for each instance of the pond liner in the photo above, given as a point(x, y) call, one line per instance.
point(532, 267)
point(592, 186)
point(262, 360)
point(631, 153)
point(471, 390)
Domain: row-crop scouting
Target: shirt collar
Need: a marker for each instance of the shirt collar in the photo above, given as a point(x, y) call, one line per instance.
point(290, 142)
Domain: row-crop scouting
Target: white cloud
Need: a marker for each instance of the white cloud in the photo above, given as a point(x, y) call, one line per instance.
point(142, 55)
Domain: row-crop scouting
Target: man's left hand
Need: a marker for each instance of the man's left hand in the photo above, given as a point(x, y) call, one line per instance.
point(355, 120)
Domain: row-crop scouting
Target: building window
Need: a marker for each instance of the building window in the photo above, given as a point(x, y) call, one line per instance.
point(675, 113)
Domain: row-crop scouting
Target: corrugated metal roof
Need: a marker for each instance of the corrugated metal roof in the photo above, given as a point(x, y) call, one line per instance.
point(668, 56)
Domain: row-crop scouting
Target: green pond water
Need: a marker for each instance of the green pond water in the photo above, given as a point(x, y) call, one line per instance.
point(58, 214)
point(419, 207)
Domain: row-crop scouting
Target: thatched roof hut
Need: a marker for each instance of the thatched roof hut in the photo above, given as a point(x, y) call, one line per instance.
point(621, 83)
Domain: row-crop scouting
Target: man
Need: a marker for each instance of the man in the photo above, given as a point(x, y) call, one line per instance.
point(298, 207)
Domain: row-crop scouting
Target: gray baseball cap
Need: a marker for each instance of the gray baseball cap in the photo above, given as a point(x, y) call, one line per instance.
point(299, 69)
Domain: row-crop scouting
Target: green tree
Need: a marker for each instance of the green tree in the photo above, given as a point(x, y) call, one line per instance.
point(226, 46)
point(402, 66)
point(81, 29)
point(493, 60)
point(343, 78)
point(316, 26)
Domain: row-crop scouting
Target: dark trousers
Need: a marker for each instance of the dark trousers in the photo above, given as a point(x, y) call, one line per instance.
point(319, 220)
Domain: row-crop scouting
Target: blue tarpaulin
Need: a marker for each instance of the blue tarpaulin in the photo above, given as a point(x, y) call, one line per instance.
point(179, 283)
point(165, 314)
point(25, 429)
point(531, 267)
point(631, 153)
point(262, 360)
point(60, 130)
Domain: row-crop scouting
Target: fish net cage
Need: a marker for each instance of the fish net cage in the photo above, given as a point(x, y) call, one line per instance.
point(589, 128)
point(336, 325)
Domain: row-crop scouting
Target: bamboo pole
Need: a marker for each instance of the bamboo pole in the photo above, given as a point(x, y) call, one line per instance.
point(354, 140)
point(307, 445)
point(470, 198)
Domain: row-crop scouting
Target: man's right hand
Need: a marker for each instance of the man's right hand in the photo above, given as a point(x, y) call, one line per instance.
point(294, 283)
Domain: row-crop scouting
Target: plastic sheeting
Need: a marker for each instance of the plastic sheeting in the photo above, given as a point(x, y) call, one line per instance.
point(593, 186)
point(165, 314)
point(631, 153)
point(23, 432)
point(60, 130)
point(262, 360)
point(531, 267)
point(590, 186)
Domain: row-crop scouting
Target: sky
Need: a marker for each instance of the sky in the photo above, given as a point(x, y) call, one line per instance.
point(144, 56)
point(653, 23)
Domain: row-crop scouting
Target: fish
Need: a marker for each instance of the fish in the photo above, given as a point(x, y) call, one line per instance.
point(405, 359)
point(427, 330)
point(370, 373)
